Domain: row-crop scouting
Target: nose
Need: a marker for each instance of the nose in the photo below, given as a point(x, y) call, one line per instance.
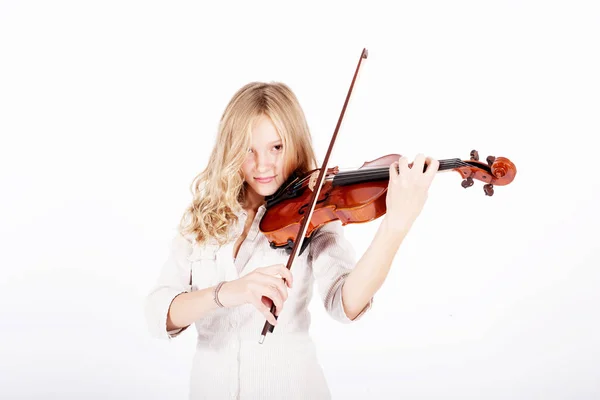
point(264, 162)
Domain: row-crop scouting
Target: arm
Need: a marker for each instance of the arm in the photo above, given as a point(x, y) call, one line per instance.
point(252, 288)
point(372, 269)
point(171, 306)
point(406, 196)
point(188, 307)
point(332, 259)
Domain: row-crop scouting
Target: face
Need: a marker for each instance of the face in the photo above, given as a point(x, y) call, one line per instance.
point(263, 167)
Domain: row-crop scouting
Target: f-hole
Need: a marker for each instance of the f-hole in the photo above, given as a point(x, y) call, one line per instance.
point(302, 209)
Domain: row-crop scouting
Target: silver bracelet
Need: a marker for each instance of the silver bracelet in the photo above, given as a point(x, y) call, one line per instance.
point(216, 294)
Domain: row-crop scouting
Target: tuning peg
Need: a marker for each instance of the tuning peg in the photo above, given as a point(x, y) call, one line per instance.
point(474, 155)
point(467, 182)
point(490, 160)
point(488, 189)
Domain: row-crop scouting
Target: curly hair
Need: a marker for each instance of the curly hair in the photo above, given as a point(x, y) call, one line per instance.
point(219, 190)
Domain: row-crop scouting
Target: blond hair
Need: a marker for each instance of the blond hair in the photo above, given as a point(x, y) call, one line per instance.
point(219, 190)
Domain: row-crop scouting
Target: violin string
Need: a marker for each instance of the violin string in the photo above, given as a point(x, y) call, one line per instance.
point(383, 173)
point(374, 172)
point(377, 172)
point(340, 171)
point(444, 164)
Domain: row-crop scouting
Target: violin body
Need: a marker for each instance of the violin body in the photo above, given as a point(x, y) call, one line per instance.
point(349, 203)
point(359, 196)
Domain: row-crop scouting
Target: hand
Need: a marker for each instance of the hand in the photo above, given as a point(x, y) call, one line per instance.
point(262, 288)
point(407, 190)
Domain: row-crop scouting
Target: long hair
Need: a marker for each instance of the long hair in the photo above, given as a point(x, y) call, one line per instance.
point(219, 190)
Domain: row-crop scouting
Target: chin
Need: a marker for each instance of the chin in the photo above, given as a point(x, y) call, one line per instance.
point(265, 190)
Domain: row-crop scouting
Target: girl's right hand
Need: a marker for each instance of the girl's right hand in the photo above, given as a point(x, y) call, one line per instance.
point(261, 287)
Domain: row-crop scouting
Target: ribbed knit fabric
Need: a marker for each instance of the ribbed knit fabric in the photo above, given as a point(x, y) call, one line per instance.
point(229, 362)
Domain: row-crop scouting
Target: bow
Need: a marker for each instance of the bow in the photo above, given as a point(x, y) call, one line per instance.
point(315, 194)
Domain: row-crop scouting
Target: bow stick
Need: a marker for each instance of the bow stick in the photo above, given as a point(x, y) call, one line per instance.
point(315, 195)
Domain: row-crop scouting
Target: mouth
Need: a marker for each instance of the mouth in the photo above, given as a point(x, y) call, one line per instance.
point(264, 180)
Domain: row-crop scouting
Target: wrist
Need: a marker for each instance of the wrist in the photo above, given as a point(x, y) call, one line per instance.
point(392, 230)
point(217, 294)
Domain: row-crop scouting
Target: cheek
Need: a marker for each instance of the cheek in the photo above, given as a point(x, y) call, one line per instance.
point(283, 170)
point(281, 163)
point(247, 168)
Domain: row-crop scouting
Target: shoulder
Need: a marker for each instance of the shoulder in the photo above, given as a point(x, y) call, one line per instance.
point(186, 248)
point(329, 230)
point(182, 246)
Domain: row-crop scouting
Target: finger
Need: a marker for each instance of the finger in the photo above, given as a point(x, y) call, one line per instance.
point(433, 167)
point(313, 180)
point(403, 165)
point(275, 283)
point(281, 272)
point(264, 310)
point(393, 169)
point(273, 294)
point(269, 303)
point(286, 274)
point(266, 301)
point(419, 163)
point(276, 310)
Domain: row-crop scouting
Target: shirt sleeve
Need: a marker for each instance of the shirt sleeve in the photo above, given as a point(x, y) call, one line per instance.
point(173, 280)
point(333, 258)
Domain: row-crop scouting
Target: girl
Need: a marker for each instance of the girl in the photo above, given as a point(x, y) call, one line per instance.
point(223, 276)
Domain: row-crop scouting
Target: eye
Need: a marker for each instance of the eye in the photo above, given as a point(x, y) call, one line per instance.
point(278, 147)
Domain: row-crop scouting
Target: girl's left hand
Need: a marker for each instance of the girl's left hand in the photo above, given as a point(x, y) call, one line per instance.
point(407, 191)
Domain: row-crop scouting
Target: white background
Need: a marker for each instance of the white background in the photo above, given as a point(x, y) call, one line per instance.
point(109, 109)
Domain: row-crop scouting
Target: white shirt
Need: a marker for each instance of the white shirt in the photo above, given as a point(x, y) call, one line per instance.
point(229, 362)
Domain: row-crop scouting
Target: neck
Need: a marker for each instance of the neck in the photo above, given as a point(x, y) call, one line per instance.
point(252, 201)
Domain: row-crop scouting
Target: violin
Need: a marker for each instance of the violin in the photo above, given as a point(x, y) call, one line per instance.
point(359, 195)
point(301, 205)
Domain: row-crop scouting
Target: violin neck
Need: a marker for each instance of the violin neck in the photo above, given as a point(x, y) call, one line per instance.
point(383, 173)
